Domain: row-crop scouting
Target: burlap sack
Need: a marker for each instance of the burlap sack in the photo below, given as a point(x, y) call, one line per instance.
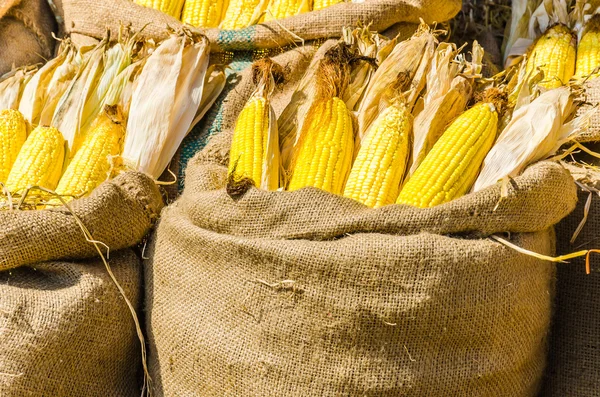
point(65, 329)
point(26, 28)
point(573, 364)
point(309, 294)
point(92, 17)
point(591, 97)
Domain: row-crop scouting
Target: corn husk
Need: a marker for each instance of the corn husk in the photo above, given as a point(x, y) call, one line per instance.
point(69, 110)
point(537, 130)
point(116, 59)
point(36, 91)
point(12, 85)
point(214, 83)
point(122, 88)
point(411, 59)
point(531, 18)
point(58, 85)
point(449, 89)
point(369, 45)
point(265, 74)
point(292, 117)
point(173, 77)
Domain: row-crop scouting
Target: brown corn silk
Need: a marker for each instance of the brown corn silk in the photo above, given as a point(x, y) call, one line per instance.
point(299, 292)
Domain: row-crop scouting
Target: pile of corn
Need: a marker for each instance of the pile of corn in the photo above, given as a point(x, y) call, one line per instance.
point(94, 112)
point(422, 128)
point(234, 14)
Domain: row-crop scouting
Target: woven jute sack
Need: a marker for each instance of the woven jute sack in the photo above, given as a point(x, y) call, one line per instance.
point(65, 330)
point(92, 18)
point(26, 28)
point(310, 294)
point(590, 98)
point(573, 365)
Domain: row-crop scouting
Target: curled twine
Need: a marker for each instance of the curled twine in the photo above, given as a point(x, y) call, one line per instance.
point(146, 390)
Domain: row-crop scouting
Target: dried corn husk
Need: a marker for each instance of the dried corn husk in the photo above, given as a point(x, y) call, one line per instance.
point(531, 18)
point(116, 59)
point(369, 45)
point(69, 110)
point(121, 90)
point(410, 59)
point(58, 85)
point(214, 83)
point(36, 91)
point(449, 89)
point(536, 131)
point(173, 77)
point(12, 85)
point(291, 119)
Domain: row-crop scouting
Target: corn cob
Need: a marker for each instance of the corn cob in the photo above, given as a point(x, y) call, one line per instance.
point(279, 9)
point(254, 151)
point(204, 13)
point(452, 165)
point(39, 162)
point(377, 173)
point(588, 50)
point(242, 13)
point(320, 4)
point(92, 164)
point(13, 132)
point(326, 143)
point(326, 149)
point(169, 7)
point(554, 54)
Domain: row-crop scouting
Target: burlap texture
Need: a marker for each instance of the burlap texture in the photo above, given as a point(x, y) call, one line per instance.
point(91, 18)
point(573, 364)
point(66, 331)
point(26, 28)
point(309, 294)
point(591, 97)
point(118, 213)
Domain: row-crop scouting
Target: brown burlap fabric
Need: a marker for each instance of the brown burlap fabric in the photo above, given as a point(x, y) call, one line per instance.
point(573, 364)
point(119, 213)
point(26, 28)
point(92, 17)
point(591, 97)
point(309, 294)
point(66, 330)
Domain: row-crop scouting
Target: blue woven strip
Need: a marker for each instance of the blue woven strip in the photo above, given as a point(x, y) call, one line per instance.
point(213, 121)
point(237, 40)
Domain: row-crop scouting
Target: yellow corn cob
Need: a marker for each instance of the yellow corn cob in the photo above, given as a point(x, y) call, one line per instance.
point(320, 4)
point(39, 162)
point(588, 50)
point(13, 132)
point(554, 54)
point(169, 7)
point(93, 163)
point(242, 13)
point(452, 165)
point(279, 9)
point(254, 151)
point(204, 13)
point(326, 148)
point(249, 144)
point(381, 161)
